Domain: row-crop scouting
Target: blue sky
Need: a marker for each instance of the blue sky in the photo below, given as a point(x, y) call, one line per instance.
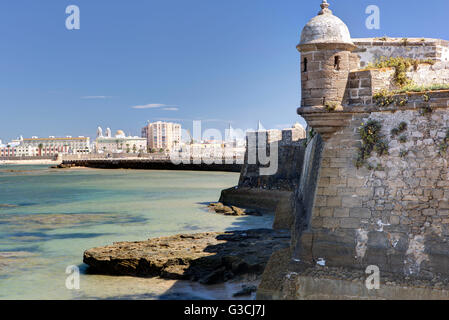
point(215, 60)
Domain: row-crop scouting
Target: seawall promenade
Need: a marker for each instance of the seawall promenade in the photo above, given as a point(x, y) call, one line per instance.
point(150, 164)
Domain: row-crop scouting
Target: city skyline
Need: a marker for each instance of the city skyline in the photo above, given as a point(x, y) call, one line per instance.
point(176, 62)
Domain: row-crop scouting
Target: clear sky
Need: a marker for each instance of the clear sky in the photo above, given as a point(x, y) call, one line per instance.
point(220, 61)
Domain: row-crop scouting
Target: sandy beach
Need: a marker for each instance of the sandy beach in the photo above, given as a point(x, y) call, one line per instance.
point(29, 162)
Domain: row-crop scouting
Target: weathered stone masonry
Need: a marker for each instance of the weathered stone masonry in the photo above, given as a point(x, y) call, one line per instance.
point(396, 213)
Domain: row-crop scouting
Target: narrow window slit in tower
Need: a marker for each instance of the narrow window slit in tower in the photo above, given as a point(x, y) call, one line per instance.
point(305, 65)
point(337, 63)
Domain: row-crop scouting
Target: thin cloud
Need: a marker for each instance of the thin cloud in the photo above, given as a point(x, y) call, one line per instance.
point(149, 106)
point(157, 106)
point(95, 97)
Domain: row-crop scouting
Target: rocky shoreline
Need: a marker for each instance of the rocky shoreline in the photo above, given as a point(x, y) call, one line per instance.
point(209, 258)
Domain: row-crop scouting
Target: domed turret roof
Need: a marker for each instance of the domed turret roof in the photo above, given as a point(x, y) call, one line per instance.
point(325, 28)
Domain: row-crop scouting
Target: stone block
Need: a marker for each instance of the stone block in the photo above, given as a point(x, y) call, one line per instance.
point(334, 202)
point(331, 223)
point(354, 84)
point(394, 220)
point(326, 212)
point(327, 191)
point(356, 182)
point(329, 172)
point(443, 204)
point(364, 192)
point(321, 201)
point(349, 223)
point(341, 213)
point(339, 163)
point(360, 213)
point(351, 202)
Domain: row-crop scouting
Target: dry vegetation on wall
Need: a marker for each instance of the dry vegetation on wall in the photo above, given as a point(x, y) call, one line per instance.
point(384, 98)
point(416, 88)
point(401, 65)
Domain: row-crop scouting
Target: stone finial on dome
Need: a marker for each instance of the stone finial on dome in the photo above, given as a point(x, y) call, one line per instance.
point(325, 8)
point(325, 28)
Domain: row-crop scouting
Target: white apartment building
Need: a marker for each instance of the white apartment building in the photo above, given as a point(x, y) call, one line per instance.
point(51, 146)
point(162, 136)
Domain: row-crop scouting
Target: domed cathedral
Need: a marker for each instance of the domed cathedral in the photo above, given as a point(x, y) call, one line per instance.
point(326, 60)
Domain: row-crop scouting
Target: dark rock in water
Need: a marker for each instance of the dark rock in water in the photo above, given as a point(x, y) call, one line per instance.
point(64, 166)
point(7, 205)
point(220, 208)
point(217, 276)
point(252, 212)
point(246, 291)
point(210, 258)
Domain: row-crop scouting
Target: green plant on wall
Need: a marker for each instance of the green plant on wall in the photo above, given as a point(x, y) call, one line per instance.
point(372, 140)
point(426, 110)
point(444, 145)
point(403, 153)
point(401, 101)
point(379, 167)
point(381, 148)
point(310, 135)
point(330, 106)
point(383, 98)
point(403, 139)
point(401, 128)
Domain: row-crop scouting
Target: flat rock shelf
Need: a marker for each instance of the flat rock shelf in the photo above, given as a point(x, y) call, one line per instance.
point(210, 258)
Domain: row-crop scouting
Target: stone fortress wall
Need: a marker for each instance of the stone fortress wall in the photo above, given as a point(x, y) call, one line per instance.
point(272, 194)
point(290, 148)
point(392, 210)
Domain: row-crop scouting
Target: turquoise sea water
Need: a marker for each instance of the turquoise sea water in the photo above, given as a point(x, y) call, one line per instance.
point(48, 217)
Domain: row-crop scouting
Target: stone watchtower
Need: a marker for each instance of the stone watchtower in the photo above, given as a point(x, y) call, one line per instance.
point(326, 60)
point(374, 186)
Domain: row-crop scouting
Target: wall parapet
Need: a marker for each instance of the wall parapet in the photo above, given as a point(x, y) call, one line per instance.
point(415, 100)
point(371, 49)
